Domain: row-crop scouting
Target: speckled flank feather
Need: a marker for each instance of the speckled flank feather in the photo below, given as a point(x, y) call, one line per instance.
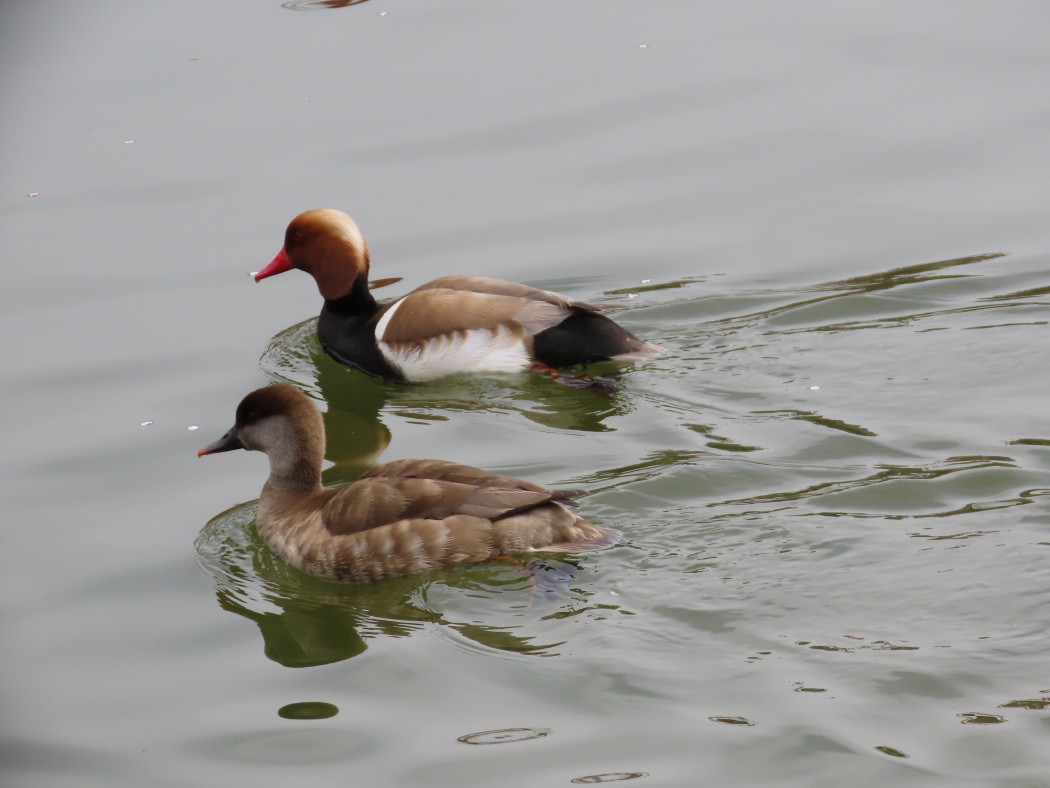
point(410, 546)
point(399, 518)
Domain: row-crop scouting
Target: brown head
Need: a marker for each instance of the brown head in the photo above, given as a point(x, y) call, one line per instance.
point(327, 244)
point(284, 424)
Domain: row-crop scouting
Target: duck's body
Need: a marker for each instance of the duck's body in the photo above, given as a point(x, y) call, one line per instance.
point(400, 518)
point(451, 325)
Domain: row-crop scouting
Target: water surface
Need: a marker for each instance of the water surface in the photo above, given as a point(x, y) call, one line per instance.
point(834, 485)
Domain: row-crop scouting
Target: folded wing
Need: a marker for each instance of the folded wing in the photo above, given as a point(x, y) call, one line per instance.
point(374, 501)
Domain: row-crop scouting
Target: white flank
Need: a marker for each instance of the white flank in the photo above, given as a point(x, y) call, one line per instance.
point(482, 350)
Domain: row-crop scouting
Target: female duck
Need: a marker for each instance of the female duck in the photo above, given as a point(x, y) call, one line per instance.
point(400, 518)
point(454, 324)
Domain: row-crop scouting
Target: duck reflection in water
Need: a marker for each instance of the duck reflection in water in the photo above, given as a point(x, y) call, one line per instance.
point(402, 518)
point(305, 622)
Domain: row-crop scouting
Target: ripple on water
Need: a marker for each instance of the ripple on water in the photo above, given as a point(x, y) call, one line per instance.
point(611, 777)
point(732, 720)
point(290, 355)
point(504, 736)
point(319, 5)
point(295, 745)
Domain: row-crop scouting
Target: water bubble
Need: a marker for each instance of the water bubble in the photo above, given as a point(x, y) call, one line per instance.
point(643, 46)
point(383, 13)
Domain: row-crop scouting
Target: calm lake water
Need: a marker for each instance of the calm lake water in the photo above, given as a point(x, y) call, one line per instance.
point(835, 485)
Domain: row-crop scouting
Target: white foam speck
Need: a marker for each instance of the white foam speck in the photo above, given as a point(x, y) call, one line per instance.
point(193, 427)
point(145, 423)
point(814, 388)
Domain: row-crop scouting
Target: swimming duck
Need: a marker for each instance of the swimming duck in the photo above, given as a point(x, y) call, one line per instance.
point(399, 518)
point(453, 324)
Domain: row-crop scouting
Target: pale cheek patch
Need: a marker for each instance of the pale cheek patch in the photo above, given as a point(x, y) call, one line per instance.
point(497, 349)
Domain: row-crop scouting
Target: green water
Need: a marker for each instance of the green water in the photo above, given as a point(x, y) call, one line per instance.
point(834, 486)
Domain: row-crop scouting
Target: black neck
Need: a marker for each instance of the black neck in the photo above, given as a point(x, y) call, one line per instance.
point(358, 301)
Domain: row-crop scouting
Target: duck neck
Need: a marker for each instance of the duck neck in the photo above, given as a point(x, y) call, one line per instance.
point(356, 301)
point(298, 470)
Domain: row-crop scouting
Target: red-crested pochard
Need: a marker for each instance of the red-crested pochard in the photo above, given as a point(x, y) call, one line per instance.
point(400, 518)
point(454, 324)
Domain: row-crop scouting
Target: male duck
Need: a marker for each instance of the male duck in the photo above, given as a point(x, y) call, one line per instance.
point(400, 518)
point(454, 324)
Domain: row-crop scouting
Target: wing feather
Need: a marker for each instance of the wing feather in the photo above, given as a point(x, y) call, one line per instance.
point(485, 284)
point(443, 470)
point(424, 314)
point(428, 490)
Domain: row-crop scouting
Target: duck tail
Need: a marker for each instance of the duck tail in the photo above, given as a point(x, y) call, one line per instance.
point(640, 350)
point(605, 537)
point(568, 497)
